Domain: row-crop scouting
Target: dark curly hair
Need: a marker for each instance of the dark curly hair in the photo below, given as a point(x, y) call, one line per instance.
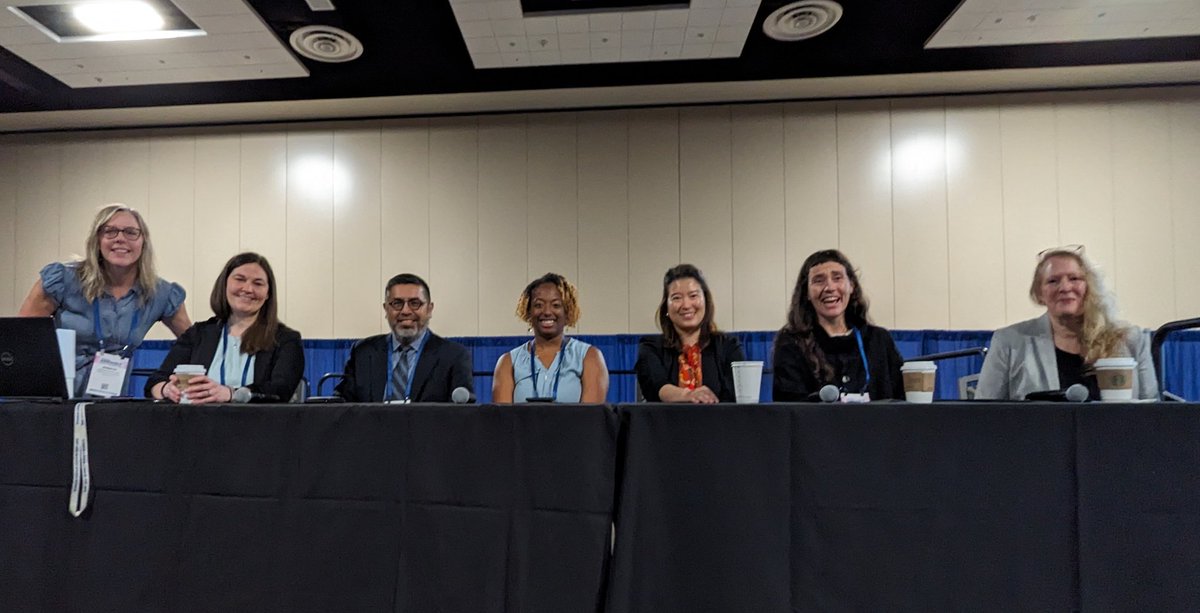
point(570, 297)
point(802, 316)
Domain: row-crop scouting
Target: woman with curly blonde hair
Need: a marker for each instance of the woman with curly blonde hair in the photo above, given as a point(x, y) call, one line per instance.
point(1060, 348)
point(551, 367)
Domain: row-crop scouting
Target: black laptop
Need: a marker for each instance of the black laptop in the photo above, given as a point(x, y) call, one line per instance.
point(30, 364)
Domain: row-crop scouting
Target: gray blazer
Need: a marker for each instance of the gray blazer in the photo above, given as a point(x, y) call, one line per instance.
point(1021, 360)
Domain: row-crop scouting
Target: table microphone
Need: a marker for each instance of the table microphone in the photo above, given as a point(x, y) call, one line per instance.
point(1076, 393)
point(828, 393)
point(243, 395)
point(461, 395)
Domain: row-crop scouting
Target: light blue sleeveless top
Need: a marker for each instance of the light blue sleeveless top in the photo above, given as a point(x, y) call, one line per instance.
point(567, 369)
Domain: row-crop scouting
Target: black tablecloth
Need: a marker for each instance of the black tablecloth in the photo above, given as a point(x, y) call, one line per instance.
point(888, 507)
point(309, 508)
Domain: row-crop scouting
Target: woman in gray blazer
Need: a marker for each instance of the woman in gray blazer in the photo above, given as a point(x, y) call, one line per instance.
point(1058, 349)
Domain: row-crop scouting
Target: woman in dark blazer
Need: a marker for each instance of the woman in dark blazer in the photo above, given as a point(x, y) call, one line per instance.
point(828, 340)
point(243, 345)
point(691, 361)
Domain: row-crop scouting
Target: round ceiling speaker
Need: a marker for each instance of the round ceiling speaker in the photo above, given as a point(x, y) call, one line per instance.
point(803, 19)
point(326, 44)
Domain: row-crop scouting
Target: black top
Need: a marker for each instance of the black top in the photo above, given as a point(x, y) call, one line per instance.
point(444, 366)
point(277, 371)
point(794, 380)
point(1071, 371)
point(657, 365)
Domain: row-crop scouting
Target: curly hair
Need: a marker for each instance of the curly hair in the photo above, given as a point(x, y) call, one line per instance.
point(570, 298)
point(1102, 332)
point(802, 316)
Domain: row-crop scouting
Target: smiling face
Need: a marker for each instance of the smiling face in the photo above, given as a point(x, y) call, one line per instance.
point(685, 304)
point(247, 289)
point(120, 250)
point(829, 290)
point(547, 312)
point(408, 310)
point(1063, 286)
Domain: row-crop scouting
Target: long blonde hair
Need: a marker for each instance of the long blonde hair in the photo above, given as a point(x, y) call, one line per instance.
point(93, 277)
point(1102, 332)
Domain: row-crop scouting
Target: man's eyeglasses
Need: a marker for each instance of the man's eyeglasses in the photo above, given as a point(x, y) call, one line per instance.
point(111, 232)
point(398, 304)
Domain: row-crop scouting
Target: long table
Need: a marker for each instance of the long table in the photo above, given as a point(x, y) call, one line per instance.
point(764, 508)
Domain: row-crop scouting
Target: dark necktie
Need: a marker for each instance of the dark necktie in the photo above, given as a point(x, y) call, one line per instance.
point(400, 373)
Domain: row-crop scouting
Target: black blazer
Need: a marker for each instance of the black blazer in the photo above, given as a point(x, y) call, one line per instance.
point(658, 365)
point(277, 371)
point(444, 366)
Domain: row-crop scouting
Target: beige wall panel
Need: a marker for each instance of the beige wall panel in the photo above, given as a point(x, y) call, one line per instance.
point(83, 192)
point(706, 201)
point(454, 226)
point(1085, 166)
point(37, 227)
point(405, 213)
point(310, 179)
point(920, 239)
point(127, 173)
point(553, 195)
point(1028, 162)
point(503, 241)
point(810, 184)
point(865, 200)
point(1185, 204)
point(654, 188)
point(1144, 274)
point(759, 258)
point(11, 292)
point(975, 216)
point(171, 188)
point(215, 217)
point(357, 232)
point(604, 222)
point(263, 210)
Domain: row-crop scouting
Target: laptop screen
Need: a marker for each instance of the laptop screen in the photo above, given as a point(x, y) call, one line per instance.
point(30, 364)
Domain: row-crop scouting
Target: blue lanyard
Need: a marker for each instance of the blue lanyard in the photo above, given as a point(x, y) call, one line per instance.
point(863, 354)
point(137, 313)
point(412, 372)
point(221, 351)
point(533, 364)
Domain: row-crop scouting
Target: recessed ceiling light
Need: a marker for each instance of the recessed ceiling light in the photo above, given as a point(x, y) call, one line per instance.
point(120, 16)
point(70, 21)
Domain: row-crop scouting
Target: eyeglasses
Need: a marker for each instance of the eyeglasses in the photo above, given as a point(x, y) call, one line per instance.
point(398, 304)
point(1071, 249)
point(111, 232)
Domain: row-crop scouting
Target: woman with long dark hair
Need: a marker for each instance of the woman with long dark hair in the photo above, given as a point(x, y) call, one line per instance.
point(243, 345)
point(691, 361)
point(828, 339)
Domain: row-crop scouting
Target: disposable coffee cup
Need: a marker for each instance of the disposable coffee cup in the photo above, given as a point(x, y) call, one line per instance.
point(919, 381)
point(184, 373)
point(747, 381)
point(1115, 376)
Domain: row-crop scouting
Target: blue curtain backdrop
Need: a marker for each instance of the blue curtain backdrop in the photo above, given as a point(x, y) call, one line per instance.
point(1181, 359)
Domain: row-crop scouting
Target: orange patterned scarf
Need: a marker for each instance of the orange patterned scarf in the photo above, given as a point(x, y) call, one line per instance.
point(690, 376)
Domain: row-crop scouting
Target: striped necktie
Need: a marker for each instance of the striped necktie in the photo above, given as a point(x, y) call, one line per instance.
point(400, 373)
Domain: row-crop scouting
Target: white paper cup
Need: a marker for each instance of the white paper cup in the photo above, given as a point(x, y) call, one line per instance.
point(747, 381)
point(1115, 376)
point(184, 372)
point(920, 378)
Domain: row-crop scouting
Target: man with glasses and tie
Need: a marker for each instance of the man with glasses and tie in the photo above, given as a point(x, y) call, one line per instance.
point(411, 364)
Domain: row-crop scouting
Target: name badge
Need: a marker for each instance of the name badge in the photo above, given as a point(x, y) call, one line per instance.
point(856, 398)
point(108, 375)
